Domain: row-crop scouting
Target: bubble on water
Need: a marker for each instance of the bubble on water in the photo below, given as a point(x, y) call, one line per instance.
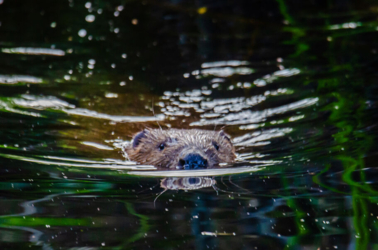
point(88, 5)
point(90, 18)
point(82, 33)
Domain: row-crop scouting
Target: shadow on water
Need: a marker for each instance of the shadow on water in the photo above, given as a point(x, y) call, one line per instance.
point(293, 83)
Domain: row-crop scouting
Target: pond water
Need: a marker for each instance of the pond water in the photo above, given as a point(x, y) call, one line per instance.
point(293, 82)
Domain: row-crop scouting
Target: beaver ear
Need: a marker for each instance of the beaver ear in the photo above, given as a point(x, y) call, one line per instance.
point(224, 135)
point(138, 138)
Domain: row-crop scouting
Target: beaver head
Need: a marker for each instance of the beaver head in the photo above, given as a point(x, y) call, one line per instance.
point(181, 148)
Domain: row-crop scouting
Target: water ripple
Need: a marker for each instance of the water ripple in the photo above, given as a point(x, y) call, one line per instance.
point(14, 79)
point(255, 138)
point(66, 163)
point(199, 173)
point(248, 116)
point(34, 51)
point(54, 103)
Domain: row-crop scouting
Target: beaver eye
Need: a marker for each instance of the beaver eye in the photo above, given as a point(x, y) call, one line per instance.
point(161, 146)
point(215, 145)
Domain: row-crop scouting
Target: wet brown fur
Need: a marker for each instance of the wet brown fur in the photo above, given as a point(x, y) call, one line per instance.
point(177, 144)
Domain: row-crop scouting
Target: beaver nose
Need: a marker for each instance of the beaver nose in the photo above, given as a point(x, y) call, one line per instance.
point(193, 161)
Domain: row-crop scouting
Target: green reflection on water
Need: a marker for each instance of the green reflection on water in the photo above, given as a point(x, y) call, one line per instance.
point(143, 229)
point(29, 221)
point(347, 145)
point(351, 145)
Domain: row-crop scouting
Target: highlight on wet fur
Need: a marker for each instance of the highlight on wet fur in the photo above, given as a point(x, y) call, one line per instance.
point(181, 148)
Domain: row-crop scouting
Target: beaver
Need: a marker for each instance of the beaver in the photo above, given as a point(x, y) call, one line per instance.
point(181, 148)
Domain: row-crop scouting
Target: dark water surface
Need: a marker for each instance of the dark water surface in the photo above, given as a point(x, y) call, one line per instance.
point(293, 82)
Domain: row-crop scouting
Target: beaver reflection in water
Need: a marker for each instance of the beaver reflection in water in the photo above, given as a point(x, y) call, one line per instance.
point(181, 148)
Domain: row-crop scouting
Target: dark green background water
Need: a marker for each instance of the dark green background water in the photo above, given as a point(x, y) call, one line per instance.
point(293, 82)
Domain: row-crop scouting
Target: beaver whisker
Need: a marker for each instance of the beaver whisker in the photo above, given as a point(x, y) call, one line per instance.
point(229, 179)
point(228, 192)
point(159, 196)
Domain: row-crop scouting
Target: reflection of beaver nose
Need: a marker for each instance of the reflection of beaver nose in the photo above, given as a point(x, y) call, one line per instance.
point(193, 161)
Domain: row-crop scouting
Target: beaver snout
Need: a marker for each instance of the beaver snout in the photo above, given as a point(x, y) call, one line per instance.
point(193, 161)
